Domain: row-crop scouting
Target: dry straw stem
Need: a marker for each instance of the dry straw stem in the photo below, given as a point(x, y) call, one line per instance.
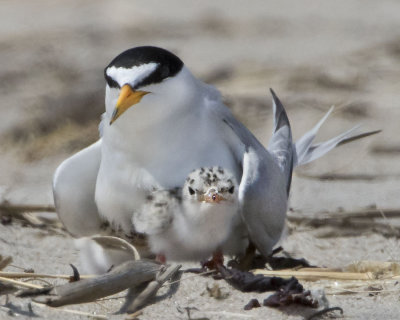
point(361, 286)
point(361, 270)
point(15, 208)
point(324, 218)
point(20, 275)
point(20, 283)
point(312, 275)
point(76, 312)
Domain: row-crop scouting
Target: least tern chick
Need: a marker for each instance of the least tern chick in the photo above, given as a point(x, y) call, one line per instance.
point(194, 223)
point(155, 219)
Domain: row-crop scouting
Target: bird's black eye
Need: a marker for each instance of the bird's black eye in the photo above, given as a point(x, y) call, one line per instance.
point(191, 191)
point(231, 189)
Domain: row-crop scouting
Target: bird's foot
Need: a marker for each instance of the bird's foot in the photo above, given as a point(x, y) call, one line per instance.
point(161, 258)
point(216, 260)
point(245, 262)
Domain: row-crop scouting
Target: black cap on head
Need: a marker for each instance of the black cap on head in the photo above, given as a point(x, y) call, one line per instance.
point(168, 64)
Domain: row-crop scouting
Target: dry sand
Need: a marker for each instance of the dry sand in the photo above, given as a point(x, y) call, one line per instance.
point(314, 54)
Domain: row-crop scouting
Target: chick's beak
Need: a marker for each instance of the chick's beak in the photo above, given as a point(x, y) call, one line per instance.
point(127, 98)
point(212, 196)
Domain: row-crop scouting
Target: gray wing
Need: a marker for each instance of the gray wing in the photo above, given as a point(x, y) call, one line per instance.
point(263, 185)
point(263, 196)
point(74, 186)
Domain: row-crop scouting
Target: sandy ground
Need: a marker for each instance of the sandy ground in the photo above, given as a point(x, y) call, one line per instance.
point(314, 54)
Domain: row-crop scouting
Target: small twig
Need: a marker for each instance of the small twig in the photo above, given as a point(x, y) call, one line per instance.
point(134, 315)
point(152, 288)
point(228, 315)
point(127, 275)
point(116, 243)
point(189, 277)
point(4, 262)
point(323, 311)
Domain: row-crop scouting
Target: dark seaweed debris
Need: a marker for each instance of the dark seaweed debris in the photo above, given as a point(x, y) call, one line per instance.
point(253, 303)
point(288, 291)
point(292, 293)
point(249, 282)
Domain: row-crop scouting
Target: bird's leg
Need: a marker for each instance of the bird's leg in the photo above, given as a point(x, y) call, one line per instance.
point(216, 260)
point(161, 258)
point(246, 261)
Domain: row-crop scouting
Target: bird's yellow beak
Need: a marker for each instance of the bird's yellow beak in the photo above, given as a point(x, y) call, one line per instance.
point(127, 98)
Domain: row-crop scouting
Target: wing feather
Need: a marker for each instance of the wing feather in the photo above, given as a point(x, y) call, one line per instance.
point(74, 185)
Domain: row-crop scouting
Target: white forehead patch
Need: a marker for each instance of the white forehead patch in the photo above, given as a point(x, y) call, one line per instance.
point(131, 76)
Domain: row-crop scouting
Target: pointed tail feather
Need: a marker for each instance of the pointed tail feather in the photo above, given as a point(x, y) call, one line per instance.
point(358, 136)
point(281, 143)
point(316, 151)
point(307, 152)
point(304, 143)
point(288, 154)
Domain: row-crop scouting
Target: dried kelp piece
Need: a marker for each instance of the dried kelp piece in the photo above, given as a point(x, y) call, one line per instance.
point(251, 260)
point(291, 293)
point(278, 263)
point(249, 282)
point(253, 303)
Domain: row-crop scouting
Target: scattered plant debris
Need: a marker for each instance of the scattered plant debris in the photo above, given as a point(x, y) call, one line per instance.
point(216, 292)
point(29, 270)
point(248, 282)
point(324, 311)
point(5, 220)
point(76, 276)
point(5, 261)
point(292, 293)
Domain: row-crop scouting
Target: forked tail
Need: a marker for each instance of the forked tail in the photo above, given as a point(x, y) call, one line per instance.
point(289, 155)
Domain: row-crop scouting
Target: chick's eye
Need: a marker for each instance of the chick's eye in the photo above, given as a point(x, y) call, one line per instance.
point(231, 189)
point(191, 191)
